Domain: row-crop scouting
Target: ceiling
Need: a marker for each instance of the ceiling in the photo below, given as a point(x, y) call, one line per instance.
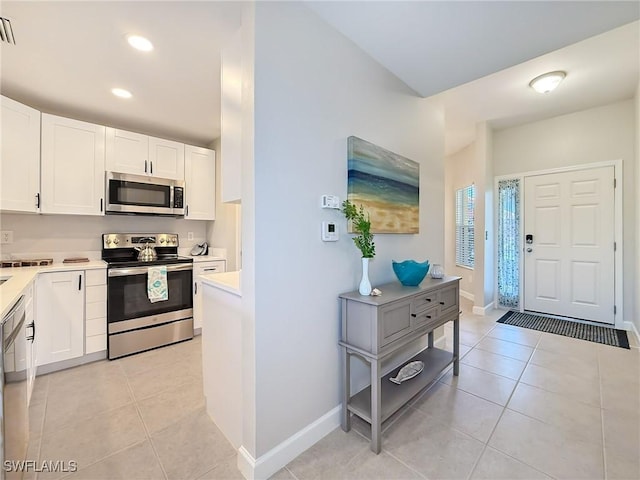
point(70, 54)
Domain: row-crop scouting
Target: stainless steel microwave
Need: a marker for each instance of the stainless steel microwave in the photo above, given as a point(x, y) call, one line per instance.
point(139, 194)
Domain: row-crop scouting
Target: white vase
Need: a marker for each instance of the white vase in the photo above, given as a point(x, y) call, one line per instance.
point(365, 284)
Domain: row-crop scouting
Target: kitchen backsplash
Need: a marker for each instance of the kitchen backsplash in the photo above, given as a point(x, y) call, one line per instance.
point(62, 236)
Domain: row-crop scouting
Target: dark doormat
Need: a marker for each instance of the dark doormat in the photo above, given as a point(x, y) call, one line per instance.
point(582, 331)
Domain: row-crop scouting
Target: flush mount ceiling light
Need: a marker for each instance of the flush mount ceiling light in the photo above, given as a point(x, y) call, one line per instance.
point(547, 82)
point(121, 92)
point(140, 43)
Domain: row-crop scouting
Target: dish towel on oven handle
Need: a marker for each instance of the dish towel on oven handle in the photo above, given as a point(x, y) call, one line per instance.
point(157, 284)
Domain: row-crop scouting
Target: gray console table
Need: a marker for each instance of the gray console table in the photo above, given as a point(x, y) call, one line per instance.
point(373, 328)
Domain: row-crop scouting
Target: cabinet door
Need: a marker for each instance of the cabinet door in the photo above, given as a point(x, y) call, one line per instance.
point(395, 322)
point(72, 166)
point(166, 158)
point(202, 268)
point(200, 183)
point(19, 157)
point(60, 314)
point(127, 152)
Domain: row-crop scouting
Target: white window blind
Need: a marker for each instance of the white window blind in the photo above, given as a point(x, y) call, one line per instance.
point(465, 212)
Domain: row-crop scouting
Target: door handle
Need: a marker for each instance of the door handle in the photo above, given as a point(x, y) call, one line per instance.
point(145, 166)
point(529, 249)
point(151, 167)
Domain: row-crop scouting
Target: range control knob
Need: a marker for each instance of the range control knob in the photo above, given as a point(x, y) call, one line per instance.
point(174, 239)
point(162, 240)
point(109, 241)
point(116, 241)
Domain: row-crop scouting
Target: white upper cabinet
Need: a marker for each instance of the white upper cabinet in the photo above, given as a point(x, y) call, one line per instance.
point(200, 181)
point(130, 152)
point(127, 152)
point(72, 165)
point(166, 158)
point(19, 157)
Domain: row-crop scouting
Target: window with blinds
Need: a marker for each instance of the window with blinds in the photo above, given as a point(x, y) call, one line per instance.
point(465, 210)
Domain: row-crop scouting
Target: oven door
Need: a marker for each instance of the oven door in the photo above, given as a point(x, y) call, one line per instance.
point(129, 307)
point(139, 194)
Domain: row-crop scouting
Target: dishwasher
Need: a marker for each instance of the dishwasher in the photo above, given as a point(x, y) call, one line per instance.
point(14, 422)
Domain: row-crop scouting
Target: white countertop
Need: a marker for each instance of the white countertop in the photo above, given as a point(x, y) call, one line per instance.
point(226, 281)
point(19, 278)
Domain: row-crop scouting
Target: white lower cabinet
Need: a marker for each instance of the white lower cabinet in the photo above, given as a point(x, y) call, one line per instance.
point(203, 268)
point(95, 327)
point(60, 313)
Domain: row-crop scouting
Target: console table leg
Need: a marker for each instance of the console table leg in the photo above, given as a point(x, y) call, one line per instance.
point(456, 346)
point(346, 371)
point(376, 408)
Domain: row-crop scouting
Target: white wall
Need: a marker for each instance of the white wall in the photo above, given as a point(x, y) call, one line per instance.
point(637, 276)
point(459, 171)
point(313, 89)
point(594, 135)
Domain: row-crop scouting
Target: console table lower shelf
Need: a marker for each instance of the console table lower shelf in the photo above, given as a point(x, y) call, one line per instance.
point(394, 396)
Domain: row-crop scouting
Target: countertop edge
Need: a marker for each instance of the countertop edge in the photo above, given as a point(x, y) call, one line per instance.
point(21, 278)
point(225, 281)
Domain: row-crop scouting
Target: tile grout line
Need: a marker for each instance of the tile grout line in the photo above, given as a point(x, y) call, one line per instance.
point(144, 425)
point(504, 408)
point(604, 455)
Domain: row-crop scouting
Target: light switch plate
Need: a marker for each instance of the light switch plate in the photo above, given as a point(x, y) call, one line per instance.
point(329, 232)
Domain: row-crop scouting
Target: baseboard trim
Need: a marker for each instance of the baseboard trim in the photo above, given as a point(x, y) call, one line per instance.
point(483, 310)
point(631, 328)
point(70, 363)
point(276, 458)
point(467, 295)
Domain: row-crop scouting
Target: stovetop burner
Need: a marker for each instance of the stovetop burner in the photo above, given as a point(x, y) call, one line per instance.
point(118, 249)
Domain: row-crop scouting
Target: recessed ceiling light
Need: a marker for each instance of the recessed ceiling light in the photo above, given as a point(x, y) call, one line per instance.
point(547, 82)
point(121, 92)
point(140, 43)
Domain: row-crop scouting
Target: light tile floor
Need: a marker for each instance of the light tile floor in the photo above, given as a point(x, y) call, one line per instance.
point(527, 405)
point(140, 417)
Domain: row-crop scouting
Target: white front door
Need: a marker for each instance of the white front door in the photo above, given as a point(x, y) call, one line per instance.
point(569, 244)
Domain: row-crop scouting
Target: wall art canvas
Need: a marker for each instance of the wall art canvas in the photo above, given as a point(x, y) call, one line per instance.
point(387, 185)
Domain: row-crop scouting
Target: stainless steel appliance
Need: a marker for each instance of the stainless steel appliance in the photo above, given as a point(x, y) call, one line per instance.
point(139, 194)
point(134, 322)
point(14, 423)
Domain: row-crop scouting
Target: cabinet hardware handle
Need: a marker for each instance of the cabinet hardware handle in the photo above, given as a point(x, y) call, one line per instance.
point(195, 287)
point(37, 200)
point(428, 299)
point(210, 269)
point(101, 201)
point(32, 337)
point(186, 211)
point(441, 303)
point(145, 166)
point(79, 282)
point(427, 316)
point(413, 314)
point(151, 167)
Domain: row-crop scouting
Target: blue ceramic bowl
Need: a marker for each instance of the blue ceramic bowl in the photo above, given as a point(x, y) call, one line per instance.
point(410, 273)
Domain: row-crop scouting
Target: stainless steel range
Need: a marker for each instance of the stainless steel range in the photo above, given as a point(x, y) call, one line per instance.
point(135, 322)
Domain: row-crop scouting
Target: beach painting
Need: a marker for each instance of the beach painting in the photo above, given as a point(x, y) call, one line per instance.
point(386, 185)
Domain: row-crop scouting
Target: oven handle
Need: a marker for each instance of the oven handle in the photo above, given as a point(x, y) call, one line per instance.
point(122, 272)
